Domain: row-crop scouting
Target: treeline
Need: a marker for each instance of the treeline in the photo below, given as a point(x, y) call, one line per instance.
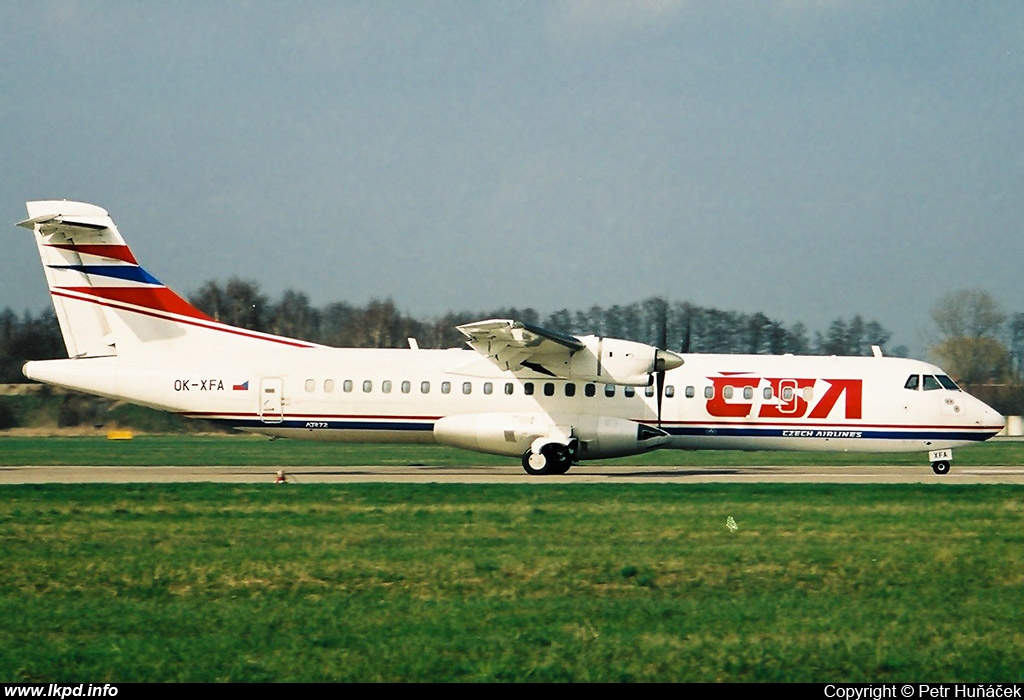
point(674, 325)
point(677, 326)
point(27, 337)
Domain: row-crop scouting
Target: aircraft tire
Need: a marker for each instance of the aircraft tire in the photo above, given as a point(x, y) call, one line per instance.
point(536, 464)
point(552, 459)
point(940, 468)
point(561, 467)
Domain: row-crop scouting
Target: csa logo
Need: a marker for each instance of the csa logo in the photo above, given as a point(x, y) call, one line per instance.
point(734, 397)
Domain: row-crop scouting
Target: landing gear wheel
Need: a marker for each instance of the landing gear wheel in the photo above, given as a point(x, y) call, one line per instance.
point(940, 468)
point(562, 465)
point(552, 459)
point(535, 464)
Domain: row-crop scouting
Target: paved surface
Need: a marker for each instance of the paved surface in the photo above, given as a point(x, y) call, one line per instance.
point(511, 474)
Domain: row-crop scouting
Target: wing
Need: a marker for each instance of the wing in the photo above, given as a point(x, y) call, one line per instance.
point(513, 345)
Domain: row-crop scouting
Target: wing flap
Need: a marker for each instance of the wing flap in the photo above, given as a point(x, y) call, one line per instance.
point(512, 345)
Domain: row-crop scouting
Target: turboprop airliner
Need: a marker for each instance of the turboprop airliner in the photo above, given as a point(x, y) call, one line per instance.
point(545, 397)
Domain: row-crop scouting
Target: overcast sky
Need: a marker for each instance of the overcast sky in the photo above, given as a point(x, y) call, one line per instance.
point(809, 159)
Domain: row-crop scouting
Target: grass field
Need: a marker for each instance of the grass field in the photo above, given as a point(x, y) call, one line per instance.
point(457, 582)
point(245, 450)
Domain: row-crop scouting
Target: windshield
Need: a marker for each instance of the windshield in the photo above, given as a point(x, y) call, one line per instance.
point(928, 382)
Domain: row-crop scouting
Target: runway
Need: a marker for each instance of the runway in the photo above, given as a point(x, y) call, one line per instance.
point(580, 474)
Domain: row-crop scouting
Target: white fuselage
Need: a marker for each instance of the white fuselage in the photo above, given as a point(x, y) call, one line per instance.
point(711, 402)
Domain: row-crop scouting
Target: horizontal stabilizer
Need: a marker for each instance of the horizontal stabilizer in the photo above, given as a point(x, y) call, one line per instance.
point(62, 216)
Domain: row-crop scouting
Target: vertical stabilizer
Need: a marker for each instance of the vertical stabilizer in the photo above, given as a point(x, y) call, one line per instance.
point(78, 243)
point(106, 303)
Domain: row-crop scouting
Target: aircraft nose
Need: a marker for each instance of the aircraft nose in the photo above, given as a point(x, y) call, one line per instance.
point(998, 418)
point(990, 417)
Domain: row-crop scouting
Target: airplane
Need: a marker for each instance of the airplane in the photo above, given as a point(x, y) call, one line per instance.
point(548, 398)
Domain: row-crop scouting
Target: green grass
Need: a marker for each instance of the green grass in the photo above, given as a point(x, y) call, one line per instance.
point(244, 450)
point(384, 582)
point(379, 582)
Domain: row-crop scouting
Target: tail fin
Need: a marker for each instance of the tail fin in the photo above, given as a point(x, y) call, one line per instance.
point(106, 303)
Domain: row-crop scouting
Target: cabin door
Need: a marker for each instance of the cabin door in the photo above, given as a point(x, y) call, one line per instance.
point(271, 399)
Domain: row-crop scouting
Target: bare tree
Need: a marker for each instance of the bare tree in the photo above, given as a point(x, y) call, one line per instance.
point(970, 322)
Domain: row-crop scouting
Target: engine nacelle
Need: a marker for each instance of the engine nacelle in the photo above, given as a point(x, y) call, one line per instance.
point(602, 437)
point(508, 434)
point(617, 361)
point(512, 434)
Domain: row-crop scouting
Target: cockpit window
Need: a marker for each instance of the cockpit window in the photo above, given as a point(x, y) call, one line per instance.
point(947, 383)
point(931, 383)
point(913, 381)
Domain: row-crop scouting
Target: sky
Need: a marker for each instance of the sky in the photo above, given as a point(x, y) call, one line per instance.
point(808, 159)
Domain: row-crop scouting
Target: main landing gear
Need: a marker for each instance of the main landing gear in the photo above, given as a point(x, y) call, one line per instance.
point(552, 458)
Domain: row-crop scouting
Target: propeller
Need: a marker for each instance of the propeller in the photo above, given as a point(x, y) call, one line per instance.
point(664, 360)
point(686, 338)
point(659, 379)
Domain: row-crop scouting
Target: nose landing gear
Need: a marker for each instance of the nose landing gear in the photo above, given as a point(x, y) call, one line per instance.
point(940, 460)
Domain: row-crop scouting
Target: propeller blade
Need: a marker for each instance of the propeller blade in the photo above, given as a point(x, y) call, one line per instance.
point(663, 339)
point(660, 380)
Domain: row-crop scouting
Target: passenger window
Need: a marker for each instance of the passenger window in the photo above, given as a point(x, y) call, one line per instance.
point(406, 386)
point(467, 387)
point(589, 389)
point(931, 383)
point(446, 387)
point(670, 391)
point(488, 388)
point(727, 393)
point(709, 392)
point(528, 388)
point(509, 388)
point(767, 393)
point(385, 386)
point(424, 387)
point(787, 394)
point(549, 389)
point(329, 385)
point(748, 392)
point(690, 392)
point(629, 392)
point(649, 391)
point(310, 384)
point(367, 386)
point(346, 386)
point(570, 389)
point(913, 381)
point(609, 390)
